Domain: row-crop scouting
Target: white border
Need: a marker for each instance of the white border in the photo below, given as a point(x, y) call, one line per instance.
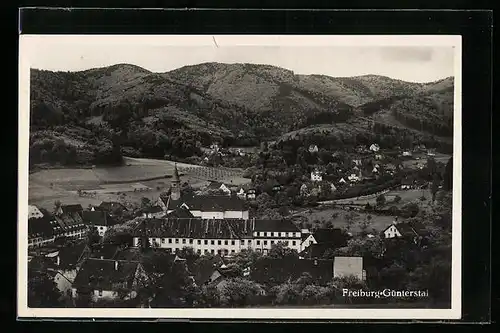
point(27, 48)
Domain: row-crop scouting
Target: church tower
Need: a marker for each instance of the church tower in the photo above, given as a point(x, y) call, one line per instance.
point(175, 191)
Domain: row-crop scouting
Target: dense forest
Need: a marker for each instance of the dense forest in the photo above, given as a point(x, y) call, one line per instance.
point(97, 115)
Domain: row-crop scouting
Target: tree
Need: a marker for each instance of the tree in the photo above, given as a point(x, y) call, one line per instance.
point(42, 290)
point(362, 247)
point(57, 205)
point(239, 292)
point(381, 200)
point(281, 251)
point(351, 219)
point(93, 236)
point(145, 203)
point(411, 209)
point(397, 199)
point(448, 176)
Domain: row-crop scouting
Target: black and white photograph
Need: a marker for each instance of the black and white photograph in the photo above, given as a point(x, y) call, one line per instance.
point(239, 176)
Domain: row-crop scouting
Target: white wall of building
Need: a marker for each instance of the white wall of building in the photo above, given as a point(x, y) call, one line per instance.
point(392, 232)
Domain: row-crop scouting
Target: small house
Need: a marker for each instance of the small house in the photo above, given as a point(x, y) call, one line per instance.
point(241, 193)
point(108, 279)
point(313, 149)
point(378, 157)
point(374, 147)
point(407, 153)
point(316, 176)
point(69, 209)
point(99, 220)
point(353, 178)
point(251, 194)
point(413, 231)
point(34, 212)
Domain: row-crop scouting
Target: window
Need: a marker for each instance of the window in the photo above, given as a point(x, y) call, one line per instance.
point(225, 242)
point(176, 241)
point(249, 241)
point(275, 234)
point(206, 242)
point(212, 251)
point(183, 241)
point(199, 241)
point(226, 251)
point(242, 242)
point(265, 242)
point(232, 251)
point(212, 242)
point(170, 241)
point(294, 243)
point(205, 251)
point(232, 242)
point(219, 251)
point(258, 242)
point(283, 234)
point(272, 242)
point(190, 241)
point(100, 292)
point(219, 242)
point(198, 251)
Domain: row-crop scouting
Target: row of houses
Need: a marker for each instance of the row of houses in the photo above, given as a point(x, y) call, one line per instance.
point(107, 272)
point(68, 221)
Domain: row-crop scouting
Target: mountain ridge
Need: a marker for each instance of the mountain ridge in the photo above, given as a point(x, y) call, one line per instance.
point(240, 104)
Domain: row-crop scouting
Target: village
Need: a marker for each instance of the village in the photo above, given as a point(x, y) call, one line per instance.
point(344, 219)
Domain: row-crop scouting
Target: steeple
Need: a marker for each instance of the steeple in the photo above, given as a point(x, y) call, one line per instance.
point(175, 192)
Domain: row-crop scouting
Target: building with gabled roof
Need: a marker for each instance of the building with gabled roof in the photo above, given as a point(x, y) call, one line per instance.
point(218, 186)
point(99, 220)
point(42, 231)
point(276, 271)
point(217, 236)
point(34, 212)
point(69, 209)
point(411, 230)
point(111, 207)
point(108, 279)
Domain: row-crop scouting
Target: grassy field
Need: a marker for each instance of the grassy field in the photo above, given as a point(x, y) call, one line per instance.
point(111, 183)
point(376, 224)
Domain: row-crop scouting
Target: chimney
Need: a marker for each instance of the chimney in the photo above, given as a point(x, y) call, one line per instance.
point(116, 265)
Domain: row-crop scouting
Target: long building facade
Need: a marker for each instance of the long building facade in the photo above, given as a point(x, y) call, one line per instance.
point(217, 236)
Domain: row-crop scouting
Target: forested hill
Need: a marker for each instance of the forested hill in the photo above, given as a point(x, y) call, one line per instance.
point(83, 117)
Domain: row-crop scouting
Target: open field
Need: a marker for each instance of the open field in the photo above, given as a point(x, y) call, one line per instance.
point(377, 223)
point(138, 178)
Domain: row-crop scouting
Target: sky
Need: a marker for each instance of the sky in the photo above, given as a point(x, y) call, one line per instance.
point(404, 61)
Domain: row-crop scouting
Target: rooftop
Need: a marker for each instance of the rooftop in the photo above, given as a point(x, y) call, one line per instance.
point(209, 203)
point(100, 218)
point(279, 271)
point(105, 274)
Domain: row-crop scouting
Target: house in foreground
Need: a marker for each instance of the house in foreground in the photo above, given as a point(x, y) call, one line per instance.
point(108, 279)
point(277, 271)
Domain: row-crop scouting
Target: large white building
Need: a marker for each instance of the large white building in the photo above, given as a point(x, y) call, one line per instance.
point(217, 236)
point(204, 206)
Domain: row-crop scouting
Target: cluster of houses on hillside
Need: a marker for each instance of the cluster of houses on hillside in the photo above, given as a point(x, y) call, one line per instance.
point(216, 225)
